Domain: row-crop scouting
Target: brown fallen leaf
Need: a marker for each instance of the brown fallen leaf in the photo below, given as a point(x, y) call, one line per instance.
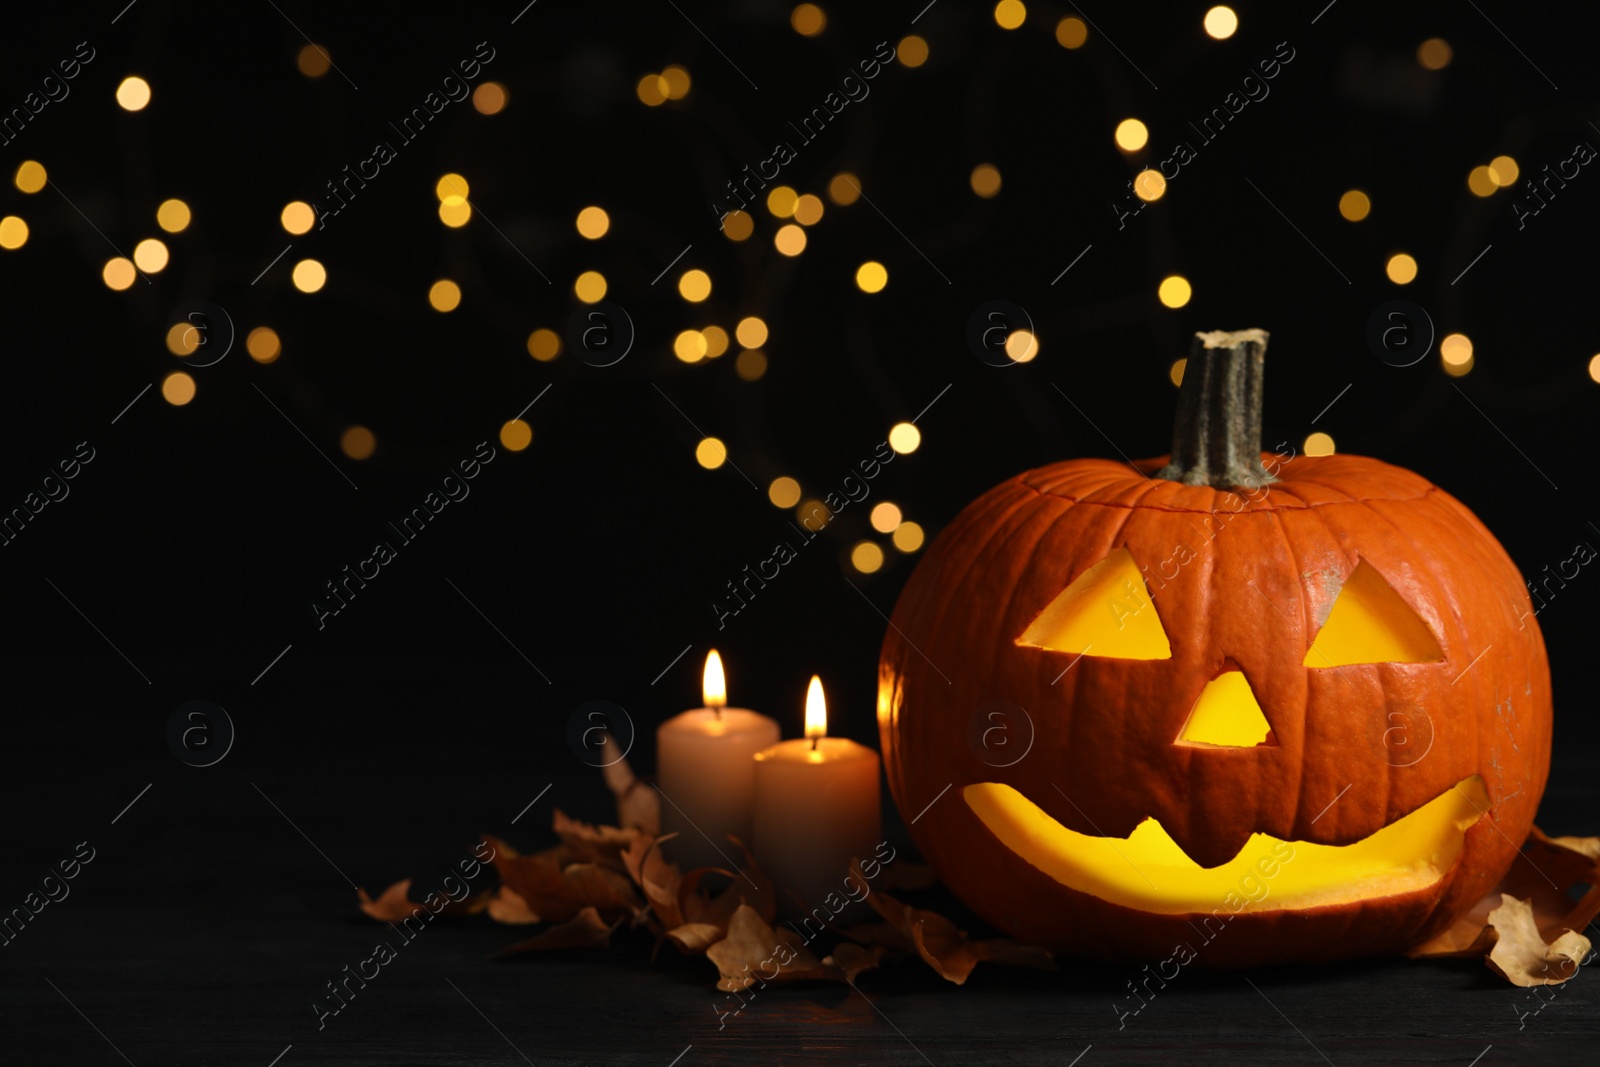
point(507, 906)
point(395, 903)
point(655, 877)
point(1520, 954)
point(943, 946)
point(584, 930)
point(749, 886)
point(695, 938)
point(1542, 873)
point(754, 953)
point(852, 959)
point(587, 843)
point(556, 889)
point(638, 804)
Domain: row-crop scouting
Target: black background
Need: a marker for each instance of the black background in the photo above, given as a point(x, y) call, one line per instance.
point(187, 554)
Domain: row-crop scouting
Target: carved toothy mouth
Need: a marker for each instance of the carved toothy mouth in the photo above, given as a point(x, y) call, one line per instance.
point(1148, 871)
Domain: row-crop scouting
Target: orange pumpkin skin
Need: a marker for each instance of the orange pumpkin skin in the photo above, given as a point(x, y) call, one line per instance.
point(1103, 732)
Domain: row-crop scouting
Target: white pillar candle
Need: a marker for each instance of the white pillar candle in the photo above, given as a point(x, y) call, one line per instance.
point(816, 809)
point(706, 768)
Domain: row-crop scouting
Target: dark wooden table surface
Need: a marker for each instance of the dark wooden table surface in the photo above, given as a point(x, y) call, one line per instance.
point(220, 903)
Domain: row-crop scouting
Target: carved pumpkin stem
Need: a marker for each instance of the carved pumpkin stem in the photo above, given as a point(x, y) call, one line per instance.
point(1216, 437)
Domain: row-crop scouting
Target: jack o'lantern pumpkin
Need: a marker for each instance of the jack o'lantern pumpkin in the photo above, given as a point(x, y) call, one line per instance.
point(1267, 709)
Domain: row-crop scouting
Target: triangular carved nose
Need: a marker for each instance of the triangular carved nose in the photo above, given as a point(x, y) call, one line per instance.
point(1227, 715)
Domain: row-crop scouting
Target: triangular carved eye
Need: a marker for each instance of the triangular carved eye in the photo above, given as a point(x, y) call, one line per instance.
point(1369, 623)
point(1108, 611)
point(1227, 715)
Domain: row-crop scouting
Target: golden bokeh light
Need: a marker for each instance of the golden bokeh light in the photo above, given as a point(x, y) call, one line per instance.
point(690, 346)
point(31, 176)
point(590, 287)
point(490, 98)
point(912, 52)
point(516, 435)
point(751, 332)
point(694, 285)
point(1022, 346)
point(808, 20)
point(451, 184)
point(183, 338)
point(1131, 135)
point(885, 517)
point(844, 189)
point(1071, 32)
point(1355, 205)
point(263, 344)
point(677, 79)
point(173, 216)
point(1434, 53)
point(455, 212)
point(808, 210)
point(150, 255)
point(177, 388)
point(866, 557)
point(985, 180)
point(309, 276)
point(710, 453)
point(593, 222)
point(904, 438)
point(872, 276)
point(716, 341)
point(908, 537)
point(118, 273)
point(1149, 185)
point(790, 240)
point(1174, 291)
point(781, 201)
point(813, 511)
point(297, 217)
point(652, 90)
point(1481, 181)
point(1318, 444)
point(738, 225)
point(133, 94)
point(14, 234)
point(1594, 368)
point(1175, 372)
point(313, 61)
point(1456, 348)
point(1010, 14)
point(444, 295)
point(784, 492)
point(357, 442)
point(1400, 268)
point(1221, 22)
point(1503, 171)
point(544, 345)
point(751, 364)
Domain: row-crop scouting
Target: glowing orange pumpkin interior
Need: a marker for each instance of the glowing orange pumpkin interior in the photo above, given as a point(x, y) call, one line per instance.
point(1108, 612)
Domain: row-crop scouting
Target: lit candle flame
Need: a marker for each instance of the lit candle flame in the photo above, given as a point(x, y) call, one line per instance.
point(714, 685)
point(816, 711)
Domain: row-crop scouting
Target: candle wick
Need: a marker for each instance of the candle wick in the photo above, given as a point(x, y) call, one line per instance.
point(814, 741)
point(717, 710)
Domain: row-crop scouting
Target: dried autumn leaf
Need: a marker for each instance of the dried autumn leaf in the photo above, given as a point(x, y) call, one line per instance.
point(557, 889)
point(507, 906)
point(638, 805)
point(587, 843)
point(853, 959)
point(754, 952)
point(750, 886)
point(584, 930)
point(1542, 873)
point(658, 879)
point(395, 903)
point(1521, 955)
point(943, 946)
point(695, 938)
